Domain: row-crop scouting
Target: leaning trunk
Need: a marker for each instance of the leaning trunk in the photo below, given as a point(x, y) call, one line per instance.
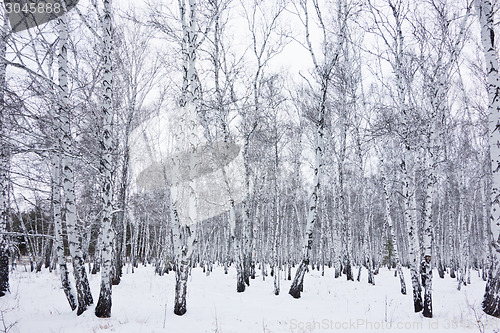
point(297, 285)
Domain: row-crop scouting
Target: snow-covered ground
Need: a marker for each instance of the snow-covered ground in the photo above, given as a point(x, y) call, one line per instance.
point(143, 302)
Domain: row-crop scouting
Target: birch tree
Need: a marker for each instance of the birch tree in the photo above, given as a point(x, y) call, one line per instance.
point(224, 72)
point(61, 154)
point(138, 70)
point(390, 226)
point(491, 302)
point(57, 209)
point(4, 161)
point(185, 235)
point(388, 26)
point(367, 257)
point(438, 80)
point(103, 308)
point(84, 295)
point(344, 98)
point(322, 73)
point(408, 183)
point(268, 38)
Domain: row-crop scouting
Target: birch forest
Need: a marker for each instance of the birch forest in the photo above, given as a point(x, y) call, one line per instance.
point(250, 165)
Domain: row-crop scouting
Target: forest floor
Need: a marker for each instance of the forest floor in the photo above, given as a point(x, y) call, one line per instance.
point(143, 302)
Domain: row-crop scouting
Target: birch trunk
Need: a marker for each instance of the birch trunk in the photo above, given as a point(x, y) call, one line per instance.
point(363, 216)
point(241, 246)
point(184, 237)
point(4, 164)
point(103, 308)
point(237, 253)
point(56, 210)
point(491, 302)
point(84, 295)
point(410, 210)
point(97, 252)
point(464, 227)
point(297, 285)
point(426, 264)
point(323, 74)
point(436, 139)
point(277, 218)
point(237, 250)
point(134, 226)
point(408, 189)
point(248, 246)
point(451, 244)
point(486, 231)
point(342, 213)
point(392, 233)
point(276, 257)
point(323, 221)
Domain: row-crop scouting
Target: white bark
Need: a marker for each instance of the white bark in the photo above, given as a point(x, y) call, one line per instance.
point(438, 109)
point(185, 235)
point(277, 238)
point(103, 308)
point(276, 208)
point(82, 286)
point(410, 212)
point(323, 75)
point(262, 25)
point(4, 162)
point(408, 186)
point(343, 201)
point(297, 285)
point(390, 226)
point(56, 209)
point(491, 302)
point(486, 232)
point(248, 246)
point(241, 245)
point(464, 224)
point(426, 263)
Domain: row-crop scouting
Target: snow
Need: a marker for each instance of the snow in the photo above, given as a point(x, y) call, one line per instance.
point(37, 304)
